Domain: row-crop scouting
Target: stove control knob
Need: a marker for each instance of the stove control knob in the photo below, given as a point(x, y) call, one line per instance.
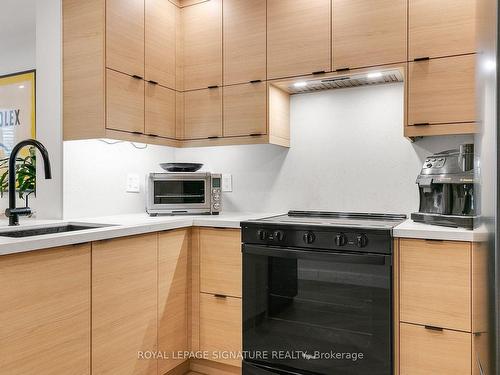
point(262, 234)
point(361, 240)
point(309, 237)
point(279, 235)
point(340, 239)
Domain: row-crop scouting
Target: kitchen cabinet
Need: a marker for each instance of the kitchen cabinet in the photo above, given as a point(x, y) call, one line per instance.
point(298, 37)
point(368, 32)
point(124, 102)
point(160, 111)
point(45, 314)
point(125, 36)
point(244, 35)
point(442, 91)
point(202, 47)
point(173, 268)
point(441, 28)
point(160, 42)
point(124, 304)
point(203, 114)
point(430, 351)
point(221, 327)
point(245, 109)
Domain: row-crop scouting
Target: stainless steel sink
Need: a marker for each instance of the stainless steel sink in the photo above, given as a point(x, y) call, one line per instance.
point(40, 231)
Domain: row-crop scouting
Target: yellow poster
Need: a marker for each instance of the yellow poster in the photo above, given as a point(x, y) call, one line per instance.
point(17, 110)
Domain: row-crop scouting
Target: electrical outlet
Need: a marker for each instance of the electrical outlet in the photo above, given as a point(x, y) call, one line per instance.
point(227, 182)
point(133, 183)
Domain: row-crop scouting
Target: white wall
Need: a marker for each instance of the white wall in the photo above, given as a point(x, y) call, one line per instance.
point(95, 175)
point(348, 153)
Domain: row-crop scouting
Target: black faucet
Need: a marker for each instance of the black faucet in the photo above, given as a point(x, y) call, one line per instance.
point(12, 212)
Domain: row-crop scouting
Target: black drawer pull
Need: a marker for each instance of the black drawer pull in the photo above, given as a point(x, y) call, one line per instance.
point(153, 82)
point(136, 76)
point(152, 135)
point(255, 134)
point(421, 124)
point(256, 81)
point(319, 72)
point(421, 58)
point(433, 328)
point(342, 69)
point(213, 87)
point(138, 133)
point(213, 137)
point(220, 296)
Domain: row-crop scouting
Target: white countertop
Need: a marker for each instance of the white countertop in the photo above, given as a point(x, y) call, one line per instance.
point(133, 224)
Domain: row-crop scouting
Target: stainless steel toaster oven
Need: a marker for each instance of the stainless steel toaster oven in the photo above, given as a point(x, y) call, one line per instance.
point(183, 193)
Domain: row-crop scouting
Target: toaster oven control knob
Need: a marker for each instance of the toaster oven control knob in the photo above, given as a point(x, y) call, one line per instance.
point(309, 237)
point(216, 206)
point(361, 240)
point(262, 234)
point(340, 239)
point(279, 235)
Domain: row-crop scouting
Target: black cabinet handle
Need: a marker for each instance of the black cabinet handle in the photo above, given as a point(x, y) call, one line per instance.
point(136, 76)
point(151, 135)
point(213, 87)
point(255, 134)
point(213, 137)
point(256, 81)
point(153, 82)
point(421, 124)
point(342, 69)
point(425, 58)
point(139, 133)
point(433, 328)
point(220, 296)
point(319, 72)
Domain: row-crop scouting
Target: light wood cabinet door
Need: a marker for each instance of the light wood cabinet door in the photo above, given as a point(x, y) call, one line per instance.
point(160, 42)
point(173, 248)
point(220, 261)
point(435, 283)
point(160, 111)
point(245, 109)
point(202, 47)
point(203, 114)
point(125, 36)
point(442, 91)
point(124, 305)
point(244, 38)
point(441, 28)
point(427, 351)
point(45, 313)
point(368, 32)
point(124, 102)
point(298, 37)
point(221, 327)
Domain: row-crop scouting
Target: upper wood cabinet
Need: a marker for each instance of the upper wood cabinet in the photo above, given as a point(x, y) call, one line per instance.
point(245, 109)
point(202, 47)
point(442, 91)
point(45, 313)
point(124, 102)
point(203, 113)
point(160, 42)
point(124, 305)
point(244, 26)
point(368, 32)
point(298, 37)
point(441, 28)
point(125, 36)
point(159, 111)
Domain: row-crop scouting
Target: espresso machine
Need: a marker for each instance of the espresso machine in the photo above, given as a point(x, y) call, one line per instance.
point(446, 185)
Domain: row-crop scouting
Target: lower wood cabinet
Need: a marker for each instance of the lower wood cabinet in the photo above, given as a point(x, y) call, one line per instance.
point(45, 312)
point(203, 114)
point(428, 351)
point(124, 305)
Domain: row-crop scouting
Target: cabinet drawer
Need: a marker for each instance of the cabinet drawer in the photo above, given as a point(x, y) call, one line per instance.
point(245, 109)
point(220, 262)
point(426, 351)
point(436, 283)
point(203, 113)
point(442, 91)
point(220, 326)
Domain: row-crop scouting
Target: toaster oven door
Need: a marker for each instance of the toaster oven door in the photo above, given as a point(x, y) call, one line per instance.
point(179, 194)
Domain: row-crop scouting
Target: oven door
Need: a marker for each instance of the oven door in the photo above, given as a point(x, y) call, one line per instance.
point(316, 312)
point(179, 193)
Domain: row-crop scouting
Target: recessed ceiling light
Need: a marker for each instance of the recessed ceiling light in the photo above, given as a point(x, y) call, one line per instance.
point(300, 84)
point(21, 87)
point(374, 75)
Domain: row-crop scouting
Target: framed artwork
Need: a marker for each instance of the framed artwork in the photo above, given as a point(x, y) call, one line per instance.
point(17, 109)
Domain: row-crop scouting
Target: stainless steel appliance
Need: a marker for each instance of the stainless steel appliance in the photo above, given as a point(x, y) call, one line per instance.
point(316, 286)
point(446, 185)
point(183, 193)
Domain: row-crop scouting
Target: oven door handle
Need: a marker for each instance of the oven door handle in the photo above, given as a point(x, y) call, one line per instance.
point(330, 256)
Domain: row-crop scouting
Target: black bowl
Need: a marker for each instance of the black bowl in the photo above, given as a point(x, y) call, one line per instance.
point(181, 167)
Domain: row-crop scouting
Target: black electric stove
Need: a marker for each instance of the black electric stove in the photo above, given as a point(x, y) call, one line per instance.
point(317, 293)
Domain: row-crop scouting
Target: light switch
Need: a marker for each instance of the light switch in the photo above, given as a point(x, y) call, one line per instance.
point(227, 182)
point(133, 183)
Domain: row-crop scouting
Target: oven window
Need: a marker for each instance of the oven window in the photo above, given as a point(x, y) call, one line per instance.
point(179, 192)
